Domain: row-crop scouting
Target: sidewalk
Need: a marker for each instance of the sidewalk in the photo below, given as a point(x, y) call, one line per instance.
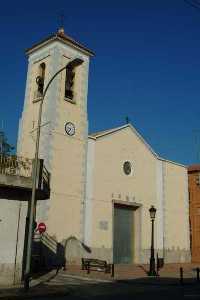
point(124, 271)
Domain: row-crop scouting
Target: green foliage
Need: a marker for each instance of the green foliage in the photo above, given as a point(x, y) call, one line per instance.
point(5, 147)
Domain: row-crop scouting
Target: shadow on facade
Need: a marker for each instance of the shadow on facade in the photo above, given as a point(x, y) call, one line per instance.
point(47, 254)
point(75, 250)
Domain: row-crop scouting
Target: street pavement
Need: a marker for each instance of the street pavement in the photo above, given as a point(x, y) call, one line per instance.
point(62, 286)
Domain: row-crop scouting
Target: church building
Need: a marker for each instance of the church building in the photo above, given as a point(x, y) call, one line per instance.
point(103, 184)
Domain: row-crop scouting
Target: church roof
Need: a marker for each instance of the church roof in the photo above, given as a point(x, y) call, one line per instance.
point(62, 37)
point(103, 133)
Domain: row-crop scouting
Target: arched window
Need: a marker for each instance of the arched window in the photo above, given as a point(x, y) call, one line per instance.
point(40, 81)
point(70, 78)
point(69, 82)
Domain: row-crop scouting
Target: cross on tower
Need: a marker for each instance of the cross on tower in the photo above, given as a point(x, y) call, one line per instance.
point(61, 18)
point(127, 120)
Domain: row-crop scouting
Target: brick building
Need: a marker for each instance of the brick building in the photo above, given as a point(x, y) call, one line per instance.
point(194, 203)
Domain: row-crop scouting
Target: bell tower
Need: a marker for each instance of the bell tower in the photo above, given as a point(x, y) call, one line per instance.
point(64, 129)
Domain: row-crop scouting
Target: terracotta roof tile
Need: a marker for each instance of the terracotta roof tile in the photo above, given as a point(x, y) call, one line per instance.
point(193, 168)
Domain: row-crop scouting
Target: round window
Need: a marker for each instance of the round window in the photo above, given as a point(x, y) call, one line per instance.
point(127, 167)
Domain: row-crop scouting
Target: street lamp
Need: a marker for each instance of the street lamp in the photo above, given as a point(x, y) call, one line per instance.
point(72, 64)
point(152, 270)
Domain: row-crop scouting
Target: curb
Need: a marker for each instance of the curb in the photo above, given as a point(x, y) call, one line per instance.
point(85, 278)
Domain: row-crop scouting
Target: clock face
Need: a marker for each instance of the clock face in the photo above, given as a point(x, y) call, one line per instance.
point(70, 128)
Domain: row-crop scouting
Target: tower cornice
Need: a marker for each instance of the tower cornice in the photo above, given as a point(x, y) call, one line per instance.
point(63, 38)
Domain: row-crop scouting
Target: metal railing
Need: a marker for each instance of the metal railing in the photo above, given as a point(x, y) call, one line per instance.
point(21, 166)
point(45, 176)
point(15, 165)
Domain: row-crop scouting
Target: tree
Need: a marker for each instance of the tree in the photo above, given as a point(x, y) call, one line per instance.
point(5, 147)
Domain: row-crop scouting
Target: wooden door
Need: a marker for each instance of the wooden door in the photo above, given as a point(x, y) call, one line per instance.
point(123, 235)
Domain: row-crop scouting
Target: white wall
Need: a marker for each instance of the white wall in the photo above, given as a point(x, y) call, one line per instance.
point(12, 229)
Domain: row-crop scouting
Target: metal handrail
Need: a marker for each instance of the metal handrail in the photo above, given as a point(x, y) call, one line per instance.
point(15, 165)
point(21, 166)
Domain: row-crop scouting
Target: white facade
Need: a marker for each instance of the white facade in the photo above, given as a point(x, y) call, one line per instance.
point(152, 181)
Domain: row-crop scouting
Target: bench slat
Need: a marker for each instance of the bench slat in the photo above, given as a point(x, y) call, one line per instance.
point(98, 264)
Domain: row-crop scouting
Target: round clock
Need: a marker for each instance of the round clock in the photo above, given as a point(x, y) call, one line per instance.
point(70, 128)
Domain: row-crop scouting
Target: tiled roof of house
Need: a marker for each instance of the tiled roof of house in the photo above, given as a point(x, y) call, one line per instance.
point(195, 167)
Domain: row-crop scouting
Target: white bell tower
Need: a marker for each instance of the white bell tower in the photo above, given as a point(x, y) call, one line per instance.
point(64, 129)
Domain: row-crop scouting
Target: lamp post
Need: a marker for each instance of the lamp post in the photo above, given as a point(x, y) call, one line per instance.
point(72, 64)
point(152, 269)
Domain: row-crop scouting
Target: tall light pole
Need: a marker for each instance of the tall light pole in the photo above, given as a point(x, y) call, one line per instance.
point(152, 269)
point(71, 65)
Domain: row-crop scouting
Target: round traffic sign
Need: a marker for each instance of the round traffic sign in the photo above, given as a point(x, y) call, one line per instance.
point(41, 227)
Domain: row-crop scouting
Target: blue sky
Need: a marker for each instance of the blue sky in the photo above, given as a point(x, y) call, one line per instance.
point(147, 65)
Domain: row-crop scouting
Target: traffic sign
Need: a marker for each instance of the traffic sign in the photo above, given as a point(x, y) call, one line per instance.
point(41, 227)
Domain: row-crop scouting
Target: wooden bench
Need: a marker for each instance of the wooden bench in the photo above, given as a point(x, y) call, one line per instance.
point(97, 265)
